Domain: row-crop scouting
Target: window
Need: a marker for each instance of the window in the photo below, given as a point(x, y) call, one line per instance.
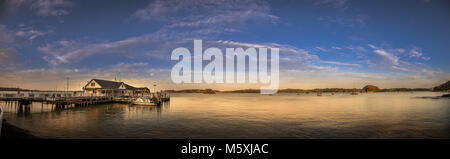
point(92, 84)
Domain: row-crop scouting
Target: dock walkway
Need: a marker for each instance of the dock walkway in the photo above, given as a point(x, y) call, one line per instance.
point(82, 101)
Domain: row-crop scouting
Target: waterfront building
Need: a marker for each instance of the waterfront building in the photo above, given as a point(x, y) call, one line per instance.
point(98, 87)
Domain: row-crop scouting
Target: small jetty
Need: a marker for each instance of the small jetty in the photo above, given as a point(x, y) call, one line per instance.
point(24, 103)
point(96, 91)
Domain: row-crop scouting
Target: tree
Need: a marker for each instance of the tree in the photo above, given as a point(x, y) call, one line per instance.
point(371, 88)
point(443, 87)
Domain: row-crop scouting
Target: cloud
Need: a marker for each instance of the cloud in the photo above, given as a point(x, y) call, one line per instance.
point(391, 60)
point(44, 7)
point(157, 45)
point(357, 49)
point(426, 58)
point(417, 53)
point(358, 21)
point(338, 4)
point(321, 49)
point(285, 50)
point(71, 51)
point(123, 67)
point(8, 56)
point(19, 36)
point(206, 15)
point(340, 63)
point(291, 58)
point(182, 20)
point(30, 33)
point(175, 10)
point(6, 36)
point(386, 55)
point(337, 48)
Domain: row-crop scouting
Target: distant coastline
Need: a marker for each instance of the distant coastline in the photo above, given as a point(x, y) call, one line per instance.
point(445, 87)
point(289, 90)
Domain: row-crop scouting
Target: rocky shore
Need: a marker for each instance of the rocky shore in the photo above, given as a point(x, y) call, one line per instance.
point(12, 132)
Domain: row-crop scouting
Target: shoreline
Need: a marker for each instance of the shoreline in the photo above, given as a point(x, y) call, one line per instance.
point(10, 131)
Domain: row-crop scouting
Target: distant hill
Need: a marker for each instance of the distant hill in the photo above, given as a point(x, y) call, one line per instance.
point(185, 91)
point(371, 88)
point(243, 91)
point(405, 89)
point(443, 87)
point(209, 91)
point(368, 88)
point(9, 89)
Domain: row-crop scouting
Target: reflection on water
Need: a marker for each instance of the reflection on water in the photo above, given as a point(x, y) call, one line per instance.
point(378, 115)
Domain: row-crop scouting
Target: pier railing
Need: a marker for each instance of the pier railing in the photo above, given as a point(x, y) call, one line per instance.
point(86, 100)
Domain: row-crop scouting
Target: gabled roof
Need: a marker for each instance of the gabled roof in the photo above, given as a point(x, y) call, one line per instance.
point(111, 84)
point(142, 89)
point(127, 86)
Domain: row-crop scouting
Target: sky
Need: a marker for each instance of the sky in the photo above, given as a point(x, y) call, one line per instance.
point(323, 43)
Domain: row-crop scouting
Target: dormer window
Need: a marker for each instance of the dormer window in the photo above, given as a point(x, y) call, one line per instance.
point(92, 84)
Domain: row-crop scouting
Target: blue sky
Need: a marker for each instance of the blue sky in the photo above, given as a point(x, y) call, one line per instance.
point(323, 43)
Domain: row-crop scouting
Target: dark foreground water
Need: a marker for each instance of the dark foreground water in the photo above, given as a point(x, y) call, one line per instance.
point(379, 115)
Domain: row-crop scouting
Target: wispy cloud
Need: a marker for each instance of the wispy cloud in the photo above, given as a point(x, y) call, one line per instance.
point(285, 50)
point(338, 4)
point(181, 19)
point(44, 7)
point(391, 60)
point(72, 51)
point(321, 49)
point(390, 57)
point(9, 36)
point(360, 49)
point(291, 58)
point(357, 21)
point(30, 33)
point(207, 15)
point(394, 60)
point(8, 56)
point(6, 36)
point(340, 63)
point(416, 52)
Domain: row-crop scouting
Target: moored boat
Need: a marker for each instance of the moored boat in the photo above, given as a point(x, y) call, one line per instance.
point(147, 101)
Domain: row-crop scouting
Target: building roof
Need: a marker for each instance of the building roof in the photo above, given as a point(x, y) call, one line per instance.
point(111, 84)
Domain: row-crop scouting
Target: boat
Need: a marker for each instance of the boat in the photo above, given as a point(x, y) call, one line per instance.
point(354, 93)
point(147, 101)
point(319, 93)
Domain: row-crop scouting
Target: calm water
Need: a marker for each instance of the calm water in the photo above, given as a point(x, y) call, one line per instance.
point(379, 115)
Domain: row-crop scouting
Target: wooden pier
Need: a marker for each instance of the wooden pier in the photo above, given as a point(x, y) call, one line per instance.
point(62, 102)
